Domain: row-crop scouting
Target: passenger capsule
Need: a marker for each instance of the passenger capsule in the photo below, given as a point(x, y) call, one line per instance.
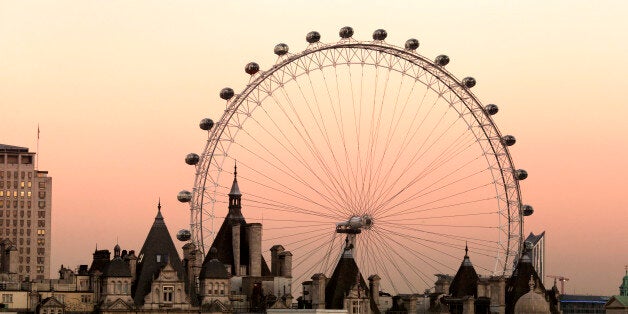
point(508, 140)
point(379, 34)
point(346, 32)
point(184, 235)
point(251, 68)
point(412, 44)
point(442, 60)
point(313, 37)
point(184, 196)
point(192, 159)
point(521, 174)
point(281, 49)
point(468, 82)
point(226, 93)
point(491, 109)
point(527, 210)
point(206, 124)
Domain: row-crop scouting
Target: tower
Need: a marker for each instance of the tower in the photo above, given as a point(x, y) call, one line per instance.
point(25, 210)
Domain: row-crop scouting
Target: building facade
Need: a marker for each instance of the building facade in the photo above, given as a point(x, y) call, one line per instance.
point(25, 211)
point(536, 247)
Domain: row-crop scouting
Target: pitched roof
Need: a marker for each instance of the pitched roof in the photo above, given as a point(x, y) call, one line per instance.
point(345, 276)
point(518, 284)
point(621, 299)
point(158, 251)
point(223, 242)
point(465, 283)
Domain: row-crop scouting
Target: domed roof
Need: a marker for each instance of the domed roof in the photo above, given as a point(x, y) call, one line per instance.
point(117, 268)
point(532, 302)
point(213, 268)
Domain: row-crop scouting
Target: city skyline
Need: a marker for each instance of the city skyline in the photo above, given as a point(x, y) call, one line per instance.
point(118, 95)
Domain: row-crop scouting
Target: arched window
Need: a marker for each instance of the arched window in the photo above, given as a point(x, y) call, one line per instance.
point(211, 287)
point(222, 288)
point(118, 287)
point(216, 288)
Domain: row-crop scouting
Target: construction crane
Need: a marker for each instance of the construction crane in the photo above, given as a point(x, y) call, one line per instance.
point(562, 280)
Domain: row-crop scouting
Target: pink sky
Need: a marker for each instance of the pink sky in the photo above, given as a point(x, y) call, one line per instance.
point(118, 89)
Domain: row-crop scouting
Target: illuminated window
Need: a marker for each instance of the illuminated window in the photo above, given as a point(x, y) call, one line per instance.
point(29, 184)
point(22, 184)
point(29, 193)
point(41, 232)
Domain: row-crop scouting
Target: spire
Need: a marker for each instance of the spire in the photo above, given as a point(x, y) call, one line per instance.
point(466, 261)
point(235, 189)
point(159, 216)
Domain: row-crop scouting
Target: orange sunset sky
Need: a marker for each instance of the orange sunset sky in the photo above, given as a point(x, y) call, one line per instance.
point(118, 88)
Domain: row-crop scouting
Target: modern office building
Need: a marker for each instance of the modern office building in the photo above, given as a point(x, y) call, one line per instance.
point(536, 246)
point(25, 210)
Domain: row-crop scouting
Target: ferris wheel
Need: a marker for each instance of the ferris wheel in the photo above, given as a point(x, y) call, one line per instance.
point(369, 143)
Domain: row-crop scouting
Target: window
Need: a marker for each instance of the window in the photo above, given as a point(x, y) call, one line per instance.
point(29, 184)
point(7, 298)
point(40, 269)
point(86, 298)
point(42, 185)
point(22, 183)
point(41, 232)
point(29, 193)
point(168, 293)
point(211, 288)
point(41, 241)
point(41, 223)
point(42, 204)
point(42, 194)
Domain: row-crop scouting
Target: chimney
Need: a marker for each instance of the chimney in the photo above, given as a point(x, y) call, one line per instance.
point(285, 264)
point(318, 291)
point(374, 288)
point(255, 249)
point(235, 243)
point(274, 259)
point(132, 261)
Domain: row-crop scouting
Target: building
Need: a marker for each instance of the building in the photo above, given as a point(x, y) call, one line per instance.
point(536, 246)
point(619, 303)
point(592, 304)
point(25, 211)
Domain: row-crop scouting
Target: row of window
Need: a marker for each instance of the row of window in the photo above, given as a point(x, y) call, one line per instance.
point(40, 260)
point(41, 194)
point(40, 232)
point(40, 214)
point(40, 223)
point(7, 204)
point(15, 173)
point(22, 184)
point(216, 288)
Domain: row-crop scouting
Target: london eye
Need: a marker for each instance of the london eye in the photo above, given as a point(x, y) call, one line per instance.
point(366, 144)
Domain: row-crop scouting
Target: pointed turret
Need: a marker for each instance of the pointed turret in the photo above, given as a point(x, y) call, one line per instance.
point(158, 251)
point(235, 197)
point(345, 277)
point(238, 243)
point(465, 283)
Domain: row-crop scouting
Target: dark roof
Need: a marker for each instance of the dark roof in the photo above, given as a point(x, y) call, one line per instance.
point(519, 284)
point(213, 268)
point(158, 242)
point(223, 240)
point(574, 298)
point(117, 268)
point(12, 149)
point(534, 239)
point(101, 259)
point(465, 283)
point(345, 276)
